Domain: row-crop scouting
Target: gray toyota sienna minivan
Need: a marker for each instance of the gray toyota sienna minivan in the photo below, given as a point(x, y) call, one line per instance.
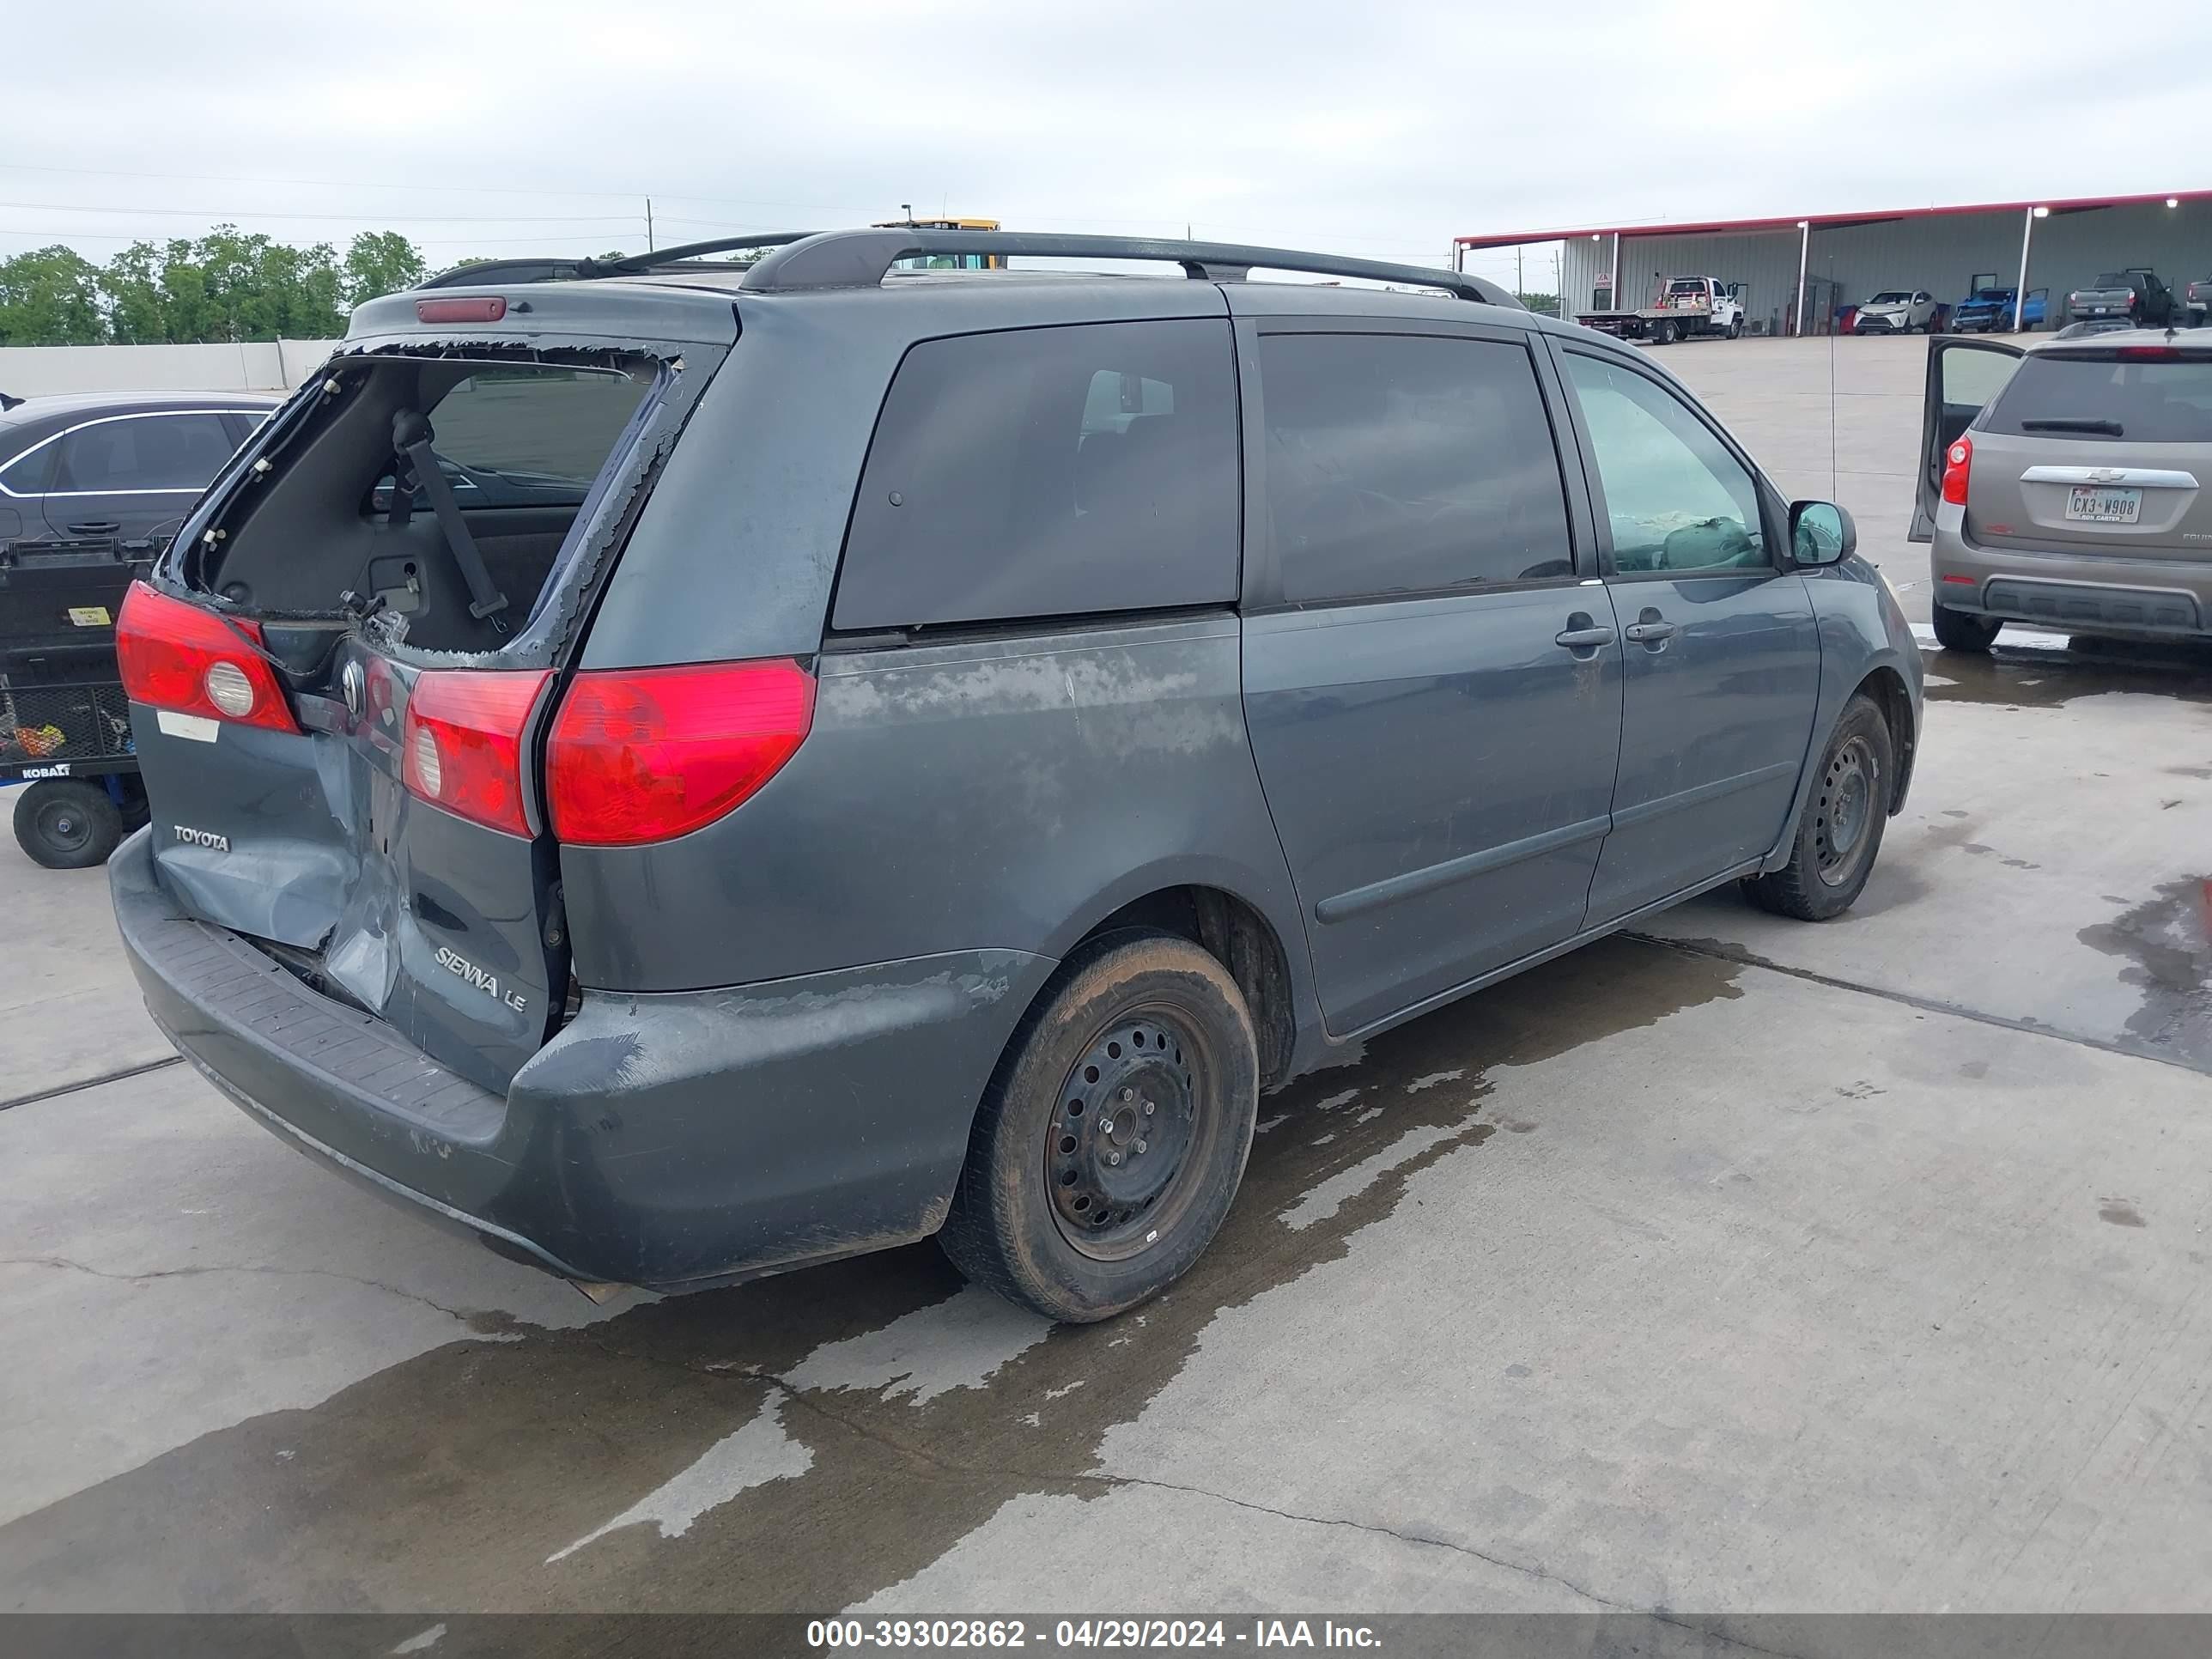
point(684, 770)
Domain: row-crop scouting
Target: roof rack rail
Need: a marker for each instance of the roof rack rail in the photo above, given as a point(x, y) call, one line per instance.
point(861, 259)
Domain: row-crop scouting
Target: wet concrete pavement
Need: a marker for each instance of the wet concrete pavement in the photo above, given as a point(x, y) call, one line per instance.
point(1747, 1265)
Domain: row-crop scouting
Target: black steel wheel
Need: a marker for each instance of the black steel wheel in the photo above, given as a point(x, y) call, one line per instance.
point(1839, 830)
point(1119, 1164)
point(1112, 1138)
point(1845, 810)
point(67, 824)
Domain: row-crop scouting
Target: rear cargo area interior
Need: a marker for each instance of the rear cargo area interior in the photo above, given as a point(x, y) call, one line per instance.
point(518, 447)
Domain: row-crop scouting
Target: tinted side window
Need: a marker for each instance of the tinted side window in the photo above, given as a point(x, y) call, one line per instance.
point(152, 452)
point(1047, 472)
point(1402, 464)
point(1676, 499)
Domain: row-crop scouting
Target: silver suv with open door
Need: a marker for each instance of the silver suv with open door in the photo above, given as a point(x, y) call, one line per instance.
point(2061, 486)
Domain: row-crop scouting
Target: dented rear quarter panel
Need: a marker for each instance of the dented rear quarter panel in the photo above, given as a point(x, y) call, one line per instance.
point(999, 795)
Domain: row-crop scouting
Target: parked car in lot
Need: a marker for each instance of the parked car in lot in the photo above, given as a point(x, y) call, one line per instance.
point(2197, 298)
point(122, 465)
point(2135, 293)
point(2063, 486)
point(90, 487)
point(1988, 310)
point(968, 734)
point(1896, 311)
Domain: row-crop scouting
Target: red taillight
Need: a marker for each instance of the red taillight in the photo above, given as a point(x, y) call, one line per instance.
point(2149, 353)
point(460, 311)
point(176, 656)
point(641, 754)
point(462, 746)
point(1958, 462)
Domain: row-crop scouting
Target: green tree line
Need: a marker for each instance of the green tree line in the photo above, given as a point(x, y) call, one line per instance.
point(225, 285)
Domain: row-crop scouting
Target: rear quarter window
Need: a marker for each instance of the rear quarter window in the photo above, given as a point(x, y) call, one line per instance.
point(1048, 472)
point(27, 473)
point(2159, 401)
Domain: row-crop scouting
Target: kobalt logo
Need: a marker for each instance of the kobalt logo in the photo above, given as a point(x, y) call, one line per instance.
point(206, 838)
point(461, 967)
point(57, 771)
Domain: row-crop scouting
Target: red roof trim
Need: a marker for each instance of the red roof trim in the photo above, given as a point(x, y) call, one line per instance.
point(1820, 221)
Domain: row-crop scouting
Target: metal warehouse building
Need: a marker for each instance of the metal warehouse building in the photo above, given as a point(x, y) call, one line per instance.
point(1801, 271)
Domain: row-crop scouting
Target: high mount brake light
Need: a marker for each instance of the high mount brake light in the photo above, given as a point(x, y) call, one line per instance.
point(175, 656)
point(1958, 462)
point(648, 754)
point(462, 747)
point(460, 311)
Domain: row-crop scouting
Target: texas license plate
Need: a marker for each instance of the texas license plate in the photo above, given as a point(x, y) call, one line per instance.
point(2100, 504)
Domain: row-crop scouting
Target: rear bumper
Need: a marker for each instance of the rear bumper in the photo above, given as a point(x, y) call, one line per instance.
point(2149, 598)
point(674, 1140)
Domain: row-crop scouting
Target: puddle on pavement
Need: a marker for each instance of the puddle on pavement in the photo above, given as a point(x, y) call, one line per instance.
point(2053, 679)
point(805, 1441)
point(2167, 941)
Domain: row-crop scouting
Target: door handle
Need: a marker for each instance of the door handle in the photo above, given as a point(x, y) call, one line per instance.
point(96, 527)
point(1581, 634)
point(1651, 629)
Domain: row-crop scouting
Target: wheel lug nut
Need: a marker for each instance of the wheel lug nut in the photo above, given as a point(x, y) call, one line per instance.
point(1140, 1146)
point(1113, 1157)
point(1128, 1094)
point(1148, 1108)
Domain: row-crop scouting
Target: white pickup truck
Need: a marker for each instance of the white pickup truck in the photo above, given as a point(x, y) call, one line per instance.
point(1682, 306)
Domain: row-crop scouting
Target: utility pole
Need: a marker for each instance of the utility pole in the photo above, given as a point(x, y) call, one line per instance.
point(1520, 282)
point(648, 225)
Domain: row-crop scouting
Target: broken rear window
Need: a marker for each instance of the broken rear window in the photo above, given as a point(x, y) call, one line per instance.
point(498, 461)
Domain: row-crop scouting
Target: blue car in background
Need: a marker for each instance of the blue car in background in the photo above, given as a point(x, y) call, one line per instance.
point(1989, 310)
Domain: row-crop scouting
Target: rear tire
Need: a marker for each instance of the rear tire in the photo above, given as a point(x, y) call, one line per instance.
point(1663, 335)
point(1961, 630)
point(1129, 1093)
point(1840, 832)
point(67, 824)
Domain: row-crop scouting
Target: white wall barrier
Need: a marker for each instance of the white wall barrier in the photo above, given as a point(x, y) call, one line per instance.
point(247, 366)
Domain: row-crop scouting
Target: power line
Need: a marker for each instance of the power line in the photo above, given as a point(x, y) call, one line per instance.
point(827, 211)
point(337, 218)
point(543, 239)
point(308, 184)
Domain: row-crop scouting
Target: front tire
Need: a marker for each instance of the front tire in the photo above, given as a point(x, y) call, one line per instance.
point(1113, 1136)
point(1840, 831)
point(67, 824)
point(1961, 630)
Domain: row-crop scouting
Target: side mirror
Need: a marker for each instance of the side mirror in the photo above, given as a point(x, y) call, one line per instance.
point(1820, 532)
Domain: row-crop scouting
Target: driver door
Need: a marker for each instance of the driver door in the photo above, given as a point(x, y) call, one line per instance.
point(1964, 373)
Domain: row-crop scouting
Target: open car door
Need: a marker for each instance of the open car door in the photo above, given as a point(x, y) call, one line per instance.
point(1964, 375)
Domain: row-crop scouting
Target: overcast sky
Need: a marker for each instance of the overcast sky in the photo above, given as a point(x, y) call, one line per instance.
point(1362, 126)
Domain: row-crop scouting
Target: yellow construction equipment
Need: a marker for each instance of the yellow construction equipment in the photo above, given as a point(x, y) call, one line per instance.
point(946, 261)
